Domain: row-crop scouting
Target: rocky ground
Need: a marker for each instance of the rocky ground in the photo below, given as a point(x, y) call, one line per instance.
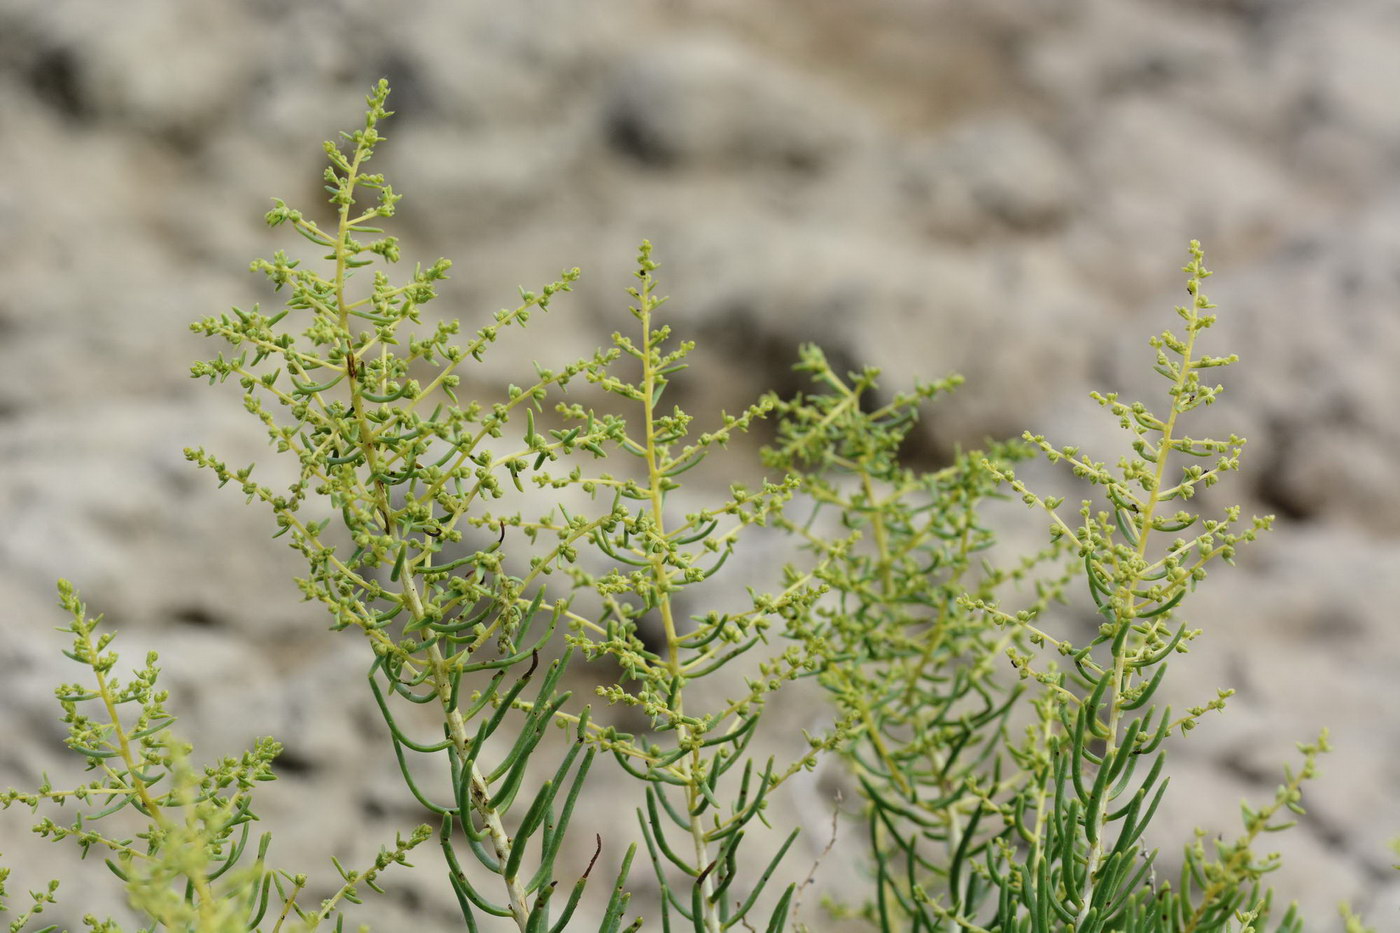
point(999, 188)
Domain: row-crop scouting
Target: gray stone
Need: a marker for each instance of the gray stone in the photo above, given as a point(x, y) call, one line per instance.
point(996, 172)
point(709, 101)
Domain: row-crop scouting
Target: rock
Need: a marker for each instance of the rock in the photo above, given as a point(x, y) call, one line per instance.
point(709, 101)
point(994, 172)
point(159, 66)
point(110, 504)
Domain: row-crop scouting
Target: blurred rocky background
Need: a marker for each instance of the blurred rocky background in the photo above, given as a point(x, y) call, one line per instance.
point(999, 188)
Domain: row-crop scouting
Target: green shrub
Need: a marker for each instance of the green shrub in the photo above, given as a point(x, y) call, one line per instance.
point(994, 801)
